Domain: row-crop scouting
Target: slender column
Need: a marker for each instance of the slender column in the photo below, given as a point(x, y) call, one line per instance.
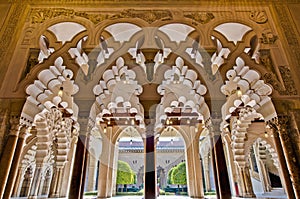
point(205, 162)
point(34, 188)
point(194, 165)
point(283, 166)
point(56, 182)
point(104, 170)
point(260, 157)
point(246, 190)
point(266, 177)
point(150, 170)
point(213, 160)
point(231, 166)
point(282, 125)
point(78, 169)
point(245, 174)
point(221, 167)
point(110, 170)
point(289, 153)
point(68, 168)
point(114, 190)
point(91, 172)
point(15, 163)
point(18, 181)
point(8, 154)
point(102, 180)
point(85, 163)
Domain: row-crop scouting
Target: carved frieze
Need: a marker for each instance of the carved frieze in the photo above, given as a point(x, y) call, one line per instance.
point(41, 15)
point(147, 15)
point(9, 30)
point(200, 17)
point(290, 33)
point(259, 17)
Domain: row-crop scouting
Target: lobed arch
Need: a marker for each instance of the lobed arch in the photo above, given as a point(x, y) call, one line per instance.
point(62, 52)
point(257, 28)
point(269, 146)
point(40, 28)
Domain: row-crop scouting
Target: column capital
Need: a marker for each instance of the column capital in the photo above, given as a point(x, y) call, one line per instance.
point(14, 125)
point(280, 123)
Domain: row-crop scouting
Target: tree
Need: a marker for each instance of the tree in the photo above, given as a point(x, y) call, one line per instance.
point(125, 175)
point(179, 174)
point(170, 176)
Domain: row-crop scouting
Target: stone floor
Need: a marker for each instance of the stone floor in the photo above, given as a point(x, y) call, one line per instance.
point(276, 193)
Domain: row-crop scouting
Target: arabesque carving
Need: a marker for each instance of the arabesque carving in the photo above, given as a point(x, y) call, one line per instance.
point(41, 15)
point(147, 15)
point(268, 38)
point(272, 77)
point(288, 80)
point(201, 17)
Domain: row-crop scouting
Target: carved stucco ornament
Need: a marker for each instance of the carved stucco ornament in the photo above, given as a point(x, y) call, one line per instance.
point(200, 17)
point(268, 38)
point(259, 17)
point(40, 15)
point(287, 86)
point(147, 15)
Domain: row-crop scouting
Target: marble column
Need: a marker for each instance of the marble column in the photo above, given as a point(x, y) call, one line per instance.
point(245, 182)
point(8, 154)
point(110, 169)
point(283, 165)
point(214, 167)
point(56, 182)
point(150, 164)
point(205, 163)
point(221, 167)
point(194, 168)
point(78, 169)
point(91, 172)
point(68, 168)
point(104, 168)
point(15, 164)
point(35, 185)
point(18, 181)
point(290, 153)
point(260, 157)
point(115, 167)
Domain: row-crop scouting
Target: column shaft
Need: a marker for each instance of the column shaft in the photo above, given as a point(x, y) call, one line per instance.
point(214, 165)
point(105, 162)
point(35, 184)
point(102, 180)
point(195, 179)
point(283, 166)
point(14, 168)
point(150, 174)
point(221, 168)
point(17, 185)
point(56, 183)
point(293, 165)
point(78, 169)
point(6, 160)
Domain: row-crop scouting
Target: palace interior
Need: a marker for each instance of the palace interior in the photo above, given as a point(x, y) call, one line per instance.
point(213, 84)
